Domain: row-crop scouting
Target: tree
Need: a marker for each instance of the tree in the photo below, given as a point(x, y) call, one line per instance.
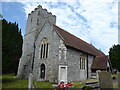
point(1, 16)
point(114, 54)
point(11, 47)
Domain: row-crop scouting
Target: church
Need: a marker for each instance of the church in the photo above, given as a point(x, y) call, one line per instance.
point(53, 54)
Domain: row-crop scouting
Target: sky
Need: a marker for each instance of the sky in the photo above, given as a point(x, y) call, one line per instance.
point(94, 21)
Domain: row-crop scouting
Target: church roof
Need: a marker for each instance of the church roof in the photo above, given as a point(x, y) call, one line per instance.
point(100, 62)
point(77, 43)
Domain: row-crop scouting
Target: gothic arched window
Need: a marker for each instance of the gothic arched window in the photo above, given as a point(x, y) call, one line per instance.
point(83, 63)
point(44, 48)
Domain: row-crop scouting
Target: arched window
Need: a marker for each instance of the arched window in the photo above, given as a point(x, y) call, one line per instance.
point(44, 48)
point(38, 12)
point(83, 63)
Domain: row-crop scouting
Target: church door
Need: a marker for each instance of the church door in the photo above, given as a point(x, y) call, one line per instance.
point(42, 75)
point(62, 73)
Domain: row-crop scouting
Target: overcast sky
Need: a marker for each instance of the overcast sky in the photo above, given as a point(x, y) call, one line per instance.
point(94, 21)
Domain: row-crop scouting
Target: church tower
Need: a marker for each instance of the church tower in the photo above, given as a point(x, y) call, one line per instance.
point(35, 22)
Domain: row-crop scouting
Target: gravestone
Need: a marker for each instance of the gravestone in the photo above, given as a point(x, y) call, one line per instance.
point(30, 82)
point(105, 80)
point(97, 75)
point(118, 80)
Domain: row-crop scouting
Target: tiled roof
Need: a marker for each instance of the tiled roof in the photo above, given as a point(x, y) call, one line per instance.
point(77, 43)
point(100, 63)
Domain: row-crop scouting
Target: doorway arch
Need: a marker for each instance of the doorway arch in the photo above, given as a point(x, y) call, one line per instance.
point(42, 74)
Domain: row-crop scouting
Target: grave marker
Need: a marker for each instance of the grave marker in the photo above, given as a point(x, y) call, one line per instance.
point(118, 80)
point(30, 82)
point(105, 80)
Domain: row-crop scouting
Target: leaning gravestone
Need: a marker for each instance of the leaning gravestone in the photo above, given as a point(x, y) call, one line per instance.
point(105, 80)
point(118, 80)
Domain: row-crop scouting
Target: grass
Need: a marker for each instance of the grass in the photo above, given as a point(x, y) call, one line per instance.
point(115, 85)
point(114, 76)
point(39, 84)
point(92, 80)
point(78, 84)
point(10, 81)
point(81, 84)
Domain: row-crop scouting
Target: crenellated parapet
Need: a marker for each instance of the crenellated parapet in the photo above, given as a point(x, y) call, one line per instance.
point(42, 11)
point(37, 17)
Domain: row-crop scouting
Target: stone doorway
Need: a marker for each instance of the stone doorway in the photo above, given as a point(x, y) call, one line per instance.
point(42, 74)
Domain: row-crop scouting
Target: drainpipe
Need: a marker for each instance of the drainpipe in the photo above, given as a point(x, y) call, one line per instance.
point(87, 68)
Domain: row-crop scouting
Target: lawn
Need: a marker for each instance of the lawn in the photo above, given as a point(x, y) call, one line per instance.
point(10, 81)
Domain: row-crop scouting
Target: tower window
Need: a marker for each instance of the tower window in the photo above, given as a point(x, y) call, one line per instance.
point(38, 12)
point(37, 21)
point(44, 48)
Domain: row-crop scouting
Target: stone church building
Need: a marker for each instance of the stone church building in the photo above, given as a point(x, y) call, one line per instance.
point(53, 54)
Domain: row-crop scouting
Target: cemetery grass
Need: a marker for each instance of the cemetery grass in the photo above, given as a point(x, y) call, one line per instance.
point(78, 85)
point(81, 84)
point(10, 81)
point(115, 85)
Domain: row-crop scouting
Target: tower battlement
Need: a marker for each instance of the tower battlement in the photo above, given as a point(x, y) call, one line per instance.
point(43, 10)
point(37, 17)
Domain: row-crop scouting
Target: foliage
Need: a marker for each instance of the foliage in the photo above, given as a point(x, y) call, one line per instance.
point(114, 54)
point(11, 46)
point(1, 16)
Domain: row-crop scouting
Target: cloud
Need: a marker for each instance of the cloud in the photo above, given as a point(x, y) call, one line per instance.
point(94, 21)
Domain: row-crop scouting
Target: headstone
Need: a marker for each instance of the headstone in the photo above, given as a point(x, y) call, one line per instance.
point(105, 80)
point(0, 83)
point(30, 82)
point(118, 80)
point(97, 75)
